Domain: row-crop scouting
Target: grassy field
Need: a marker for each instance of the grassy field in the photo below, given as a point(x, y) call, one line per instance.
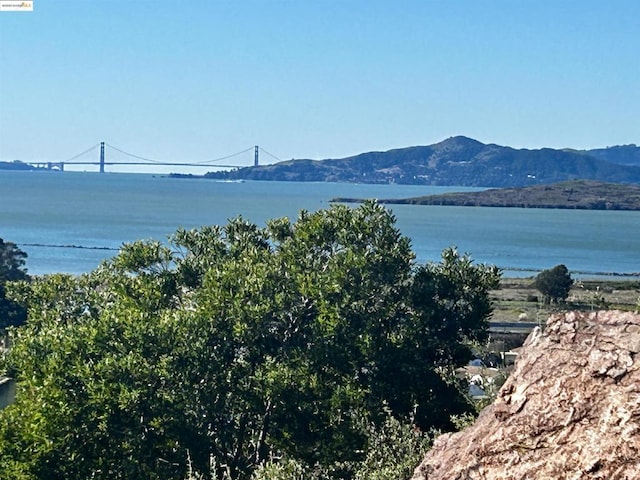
point(517, 299)
point(517, 302)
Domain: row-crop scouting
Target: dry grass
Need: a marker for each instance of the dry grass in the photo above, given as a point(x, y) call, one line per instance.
point(517, 300)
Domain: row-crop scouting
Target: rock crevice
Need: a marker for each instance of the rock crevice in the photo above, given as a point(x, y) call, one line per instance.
point(569, 410)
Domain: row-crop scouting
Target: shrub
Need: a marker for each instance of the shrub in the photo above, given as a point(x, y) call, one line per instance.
point(554, 284)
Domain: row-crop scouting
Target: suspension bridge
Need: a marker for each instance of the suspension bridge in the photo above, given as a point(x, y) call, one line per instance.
point(131, 159)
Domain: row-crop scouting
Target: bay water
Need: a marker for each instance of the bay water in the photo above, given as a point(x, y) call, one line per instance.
point(70, 221)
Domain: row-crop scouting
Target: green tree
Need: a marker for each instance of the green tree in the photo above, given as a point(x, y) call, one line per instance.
point(554, 284)
point(451, 306)
point(12, 269)
point(235, 345)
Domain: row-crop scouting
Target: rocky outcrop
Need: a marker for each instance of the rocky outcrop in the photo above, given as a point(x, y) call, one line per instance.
point(569, 410)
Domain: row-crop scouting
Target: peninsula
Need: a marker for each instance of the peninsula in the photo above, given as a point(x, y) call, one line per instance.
point(576, 194)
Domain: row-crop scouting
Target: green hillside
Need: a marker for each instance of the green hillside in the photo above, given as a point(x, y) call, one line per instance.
point(456, 161)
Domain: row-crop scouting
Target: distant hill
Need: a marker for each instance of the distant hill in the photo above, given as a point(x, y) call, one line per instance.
point(456, 161)
point(17, 165)
point(622, 154)
point(578, 194)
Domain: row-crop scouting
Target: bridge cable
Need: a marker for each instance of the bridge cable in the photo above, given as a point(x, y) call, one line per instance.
point(223, 158)
point(192, 163)
point(80, 154)
point(271, 155)
point(133, 155)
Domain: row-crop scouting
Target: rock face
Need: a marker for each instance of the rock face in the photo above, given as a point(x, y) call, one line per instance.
point(569, 410)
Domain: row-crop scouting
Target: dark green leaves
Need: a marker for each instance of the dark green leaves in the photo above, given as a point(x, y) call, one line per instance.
point(234, 345)
point(12, 261)
point(554, 283)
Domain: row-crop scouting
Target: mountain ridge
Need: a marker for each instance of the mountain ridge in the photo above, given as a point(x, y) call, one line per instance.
point(458, 160)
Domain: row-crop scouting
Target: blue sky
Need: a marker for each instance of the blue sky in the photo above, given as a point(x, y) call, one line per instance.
point(200, 79)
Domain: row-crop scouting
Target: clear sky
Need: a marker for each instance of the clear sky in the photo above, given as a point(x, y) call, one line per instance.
point(191, 80)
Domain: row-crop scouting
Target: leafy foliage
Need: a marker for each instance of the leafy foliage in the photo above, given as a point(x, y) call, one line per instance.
point(12, 261)
point(237, 345)
point(394, 450)
point(554, 283)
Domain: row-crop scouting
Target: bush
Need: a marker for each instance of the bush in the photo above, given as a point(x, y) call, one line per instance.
point(554, 284)
point(394, 451)
point(238, 344)
point(12, 261)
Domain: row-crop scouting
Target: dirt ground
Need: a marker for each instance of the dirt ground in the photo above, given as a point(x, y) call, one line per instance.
point(517, 300)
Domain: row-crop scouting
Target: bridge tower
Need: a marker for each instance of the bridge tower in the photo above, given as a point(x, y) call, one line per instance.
point(255, 156)
point(101, 157)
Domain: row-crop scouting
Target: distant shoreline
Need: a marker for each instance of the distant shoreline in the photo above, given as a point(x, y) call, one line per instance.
point(576, 194)
point(604, 276)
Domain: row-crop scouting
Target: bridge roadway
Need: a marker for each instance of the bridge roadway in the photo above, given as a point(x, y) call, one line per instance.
point(144, 161)
point(61, 165)
point(151, 164)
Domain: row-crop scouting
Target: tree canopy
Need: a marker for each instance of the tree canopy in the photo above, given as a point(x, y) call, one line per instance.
point(554, 283)
point(235, 345)
point(12, 269)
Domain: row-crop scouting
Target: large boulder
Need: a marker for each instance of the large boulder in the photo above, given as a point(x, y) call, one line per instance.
point(569, 410)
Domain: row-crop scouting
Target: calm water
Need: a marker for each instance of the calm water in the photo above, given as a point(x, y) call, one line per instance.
point(45, 213)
